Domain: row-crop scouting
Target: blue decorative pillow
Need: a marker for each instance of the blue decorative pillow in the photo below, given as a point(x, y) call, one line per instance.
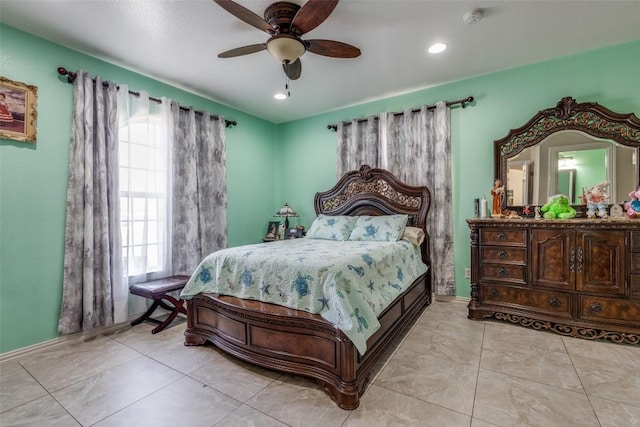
point(384, 228)
point(329, 227)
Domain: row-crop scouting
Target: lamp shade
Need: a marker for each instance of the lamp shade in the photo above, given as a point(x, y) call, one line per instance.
point(286, 211)
point(285, 48)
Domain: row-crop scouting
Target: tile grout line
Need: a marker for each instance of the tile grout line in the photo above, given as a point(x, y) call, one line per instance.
point(595, 414)
point(475, 391)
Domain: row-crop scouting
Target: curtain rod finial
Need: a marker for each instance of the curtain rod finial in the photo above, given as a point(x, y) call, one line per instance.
point(71, 76)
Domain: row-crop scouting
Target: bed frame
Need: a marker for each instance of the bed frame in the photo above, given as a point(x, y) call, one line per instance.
point(298, 342)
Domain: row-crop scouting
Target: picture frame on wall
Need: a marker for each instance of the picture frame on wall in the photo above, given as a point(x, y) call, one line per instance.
point(18, 111)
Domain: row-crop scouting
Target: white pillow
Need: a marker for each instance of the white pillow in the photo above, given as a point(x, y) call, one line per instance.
point(383, 228)
point(331, 227)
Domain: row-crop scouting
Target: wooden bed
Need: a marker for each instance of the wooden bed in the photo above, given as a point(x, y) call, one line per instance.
point(298, 342)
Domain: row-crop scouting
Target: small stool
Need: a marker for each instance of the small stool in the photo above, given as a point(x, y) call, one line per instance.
point(158, 290)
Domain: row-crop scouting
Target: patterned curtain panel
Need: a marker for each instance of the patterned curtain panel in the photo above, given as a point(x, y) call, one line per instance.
point(416, 147)
point(199, 188)
point(358, 144)
point(92, 236)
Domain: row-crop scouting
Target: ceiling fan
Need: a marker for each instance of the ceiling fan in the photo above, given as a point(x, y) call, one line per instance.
point(285, 22)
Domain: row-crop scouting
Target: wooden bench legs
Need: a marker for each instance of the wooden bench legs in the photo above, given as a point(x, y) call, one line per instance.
point(178, 307)
point(158, 291)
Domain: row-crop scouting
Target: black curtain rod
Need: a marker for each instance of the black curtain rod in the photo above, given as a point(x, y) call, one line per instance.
point(462, 102)
point(71, 76)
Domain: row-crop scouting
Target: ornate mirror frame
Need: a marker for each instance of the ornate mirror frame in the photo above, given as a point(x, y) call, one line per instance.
point(589, 117)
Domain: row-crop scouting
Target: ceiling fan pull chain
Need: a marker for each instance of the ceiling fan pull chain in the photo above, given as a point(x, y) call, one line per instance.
point(286, 86)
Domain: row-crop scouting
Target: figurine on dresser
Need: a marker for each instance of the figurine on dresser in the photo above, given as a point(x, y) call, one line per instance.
point(632, 207)
point(597, 198)
point(498, 193)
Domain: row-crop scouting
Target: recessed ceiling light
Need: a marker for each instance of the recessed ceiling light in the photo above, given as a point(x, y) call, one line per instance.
point(280, 96)
point(437, 48)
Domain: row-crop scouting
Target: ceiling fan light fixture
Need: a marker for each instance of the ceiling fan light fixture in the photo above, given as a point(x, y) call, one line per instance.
point(280, 96)
point(286, 22)
point(285, 48)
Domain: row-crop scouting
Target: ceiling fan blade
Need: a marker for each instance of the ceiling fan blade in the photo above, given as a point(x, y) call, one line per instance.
point(245, 15)
point(332, 48)
point(293, 70)
point(244, 50)
point(312, 14)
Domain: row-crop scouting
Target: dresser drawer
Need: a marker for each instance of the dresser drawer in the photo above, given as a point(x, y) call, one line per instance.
point(505, 254)
point(635, 241)
point(514, 274)
point(500, 236)
point(634, 267)
point(634, 282)
point(558, 303)
point(609, 309)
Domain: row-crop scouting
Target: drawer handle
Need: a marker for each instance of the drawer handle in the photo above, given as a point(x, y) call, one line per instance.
point(572, 260)
point(502, 255)
point(503, 272)
point(580, 259)
point(494, 293)
point(596, 307)
point(554, 302)
point(502, 236)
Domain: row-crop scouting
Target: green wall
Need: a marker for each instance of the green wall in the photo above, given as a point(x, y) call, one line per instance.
point(33, 179)
point(503, 101)
point(590, 168)
point(267, 164)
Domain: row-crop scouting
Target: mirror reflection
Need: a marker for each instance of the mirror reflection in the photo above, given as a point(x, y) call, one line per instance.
point(570, 163)
point(567, 184)
point(568, 150)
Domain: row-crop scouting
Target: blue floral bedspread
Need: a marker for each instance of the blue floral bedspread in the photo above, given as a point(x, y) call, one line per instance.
point(349, 283)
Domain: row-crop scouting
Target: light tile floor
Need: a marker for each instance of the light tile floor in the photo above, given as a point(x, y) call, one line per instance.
point(445, 371)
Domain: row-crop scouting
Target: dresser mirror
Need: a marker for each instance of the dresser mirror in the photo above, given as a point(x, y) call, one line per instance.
point(566, 149)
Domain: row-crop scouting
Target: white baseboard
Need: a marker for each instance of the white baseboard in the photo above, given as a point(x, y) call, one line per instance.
point(65, 339)
point(76, 337)
point(451, 298)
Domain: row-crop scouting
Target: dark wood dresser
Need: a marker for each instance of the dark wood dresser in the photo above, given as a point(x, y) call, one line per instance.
point(576, 277)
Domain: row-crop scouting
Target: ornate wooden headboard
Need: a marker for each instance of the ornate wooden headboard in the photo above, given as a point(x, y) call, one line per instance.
point(371, 191)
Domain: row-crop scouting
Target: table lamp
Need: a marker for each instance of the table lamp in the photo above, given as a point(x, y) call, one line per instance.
point(286, 212)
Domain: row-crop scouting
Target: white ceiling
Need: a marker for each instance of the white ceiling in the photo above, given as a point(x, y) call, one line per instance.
point(177, 41)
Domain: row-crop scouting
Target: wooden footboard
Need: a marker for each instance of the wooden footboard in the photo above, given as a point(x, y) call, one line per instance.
point(301, 343)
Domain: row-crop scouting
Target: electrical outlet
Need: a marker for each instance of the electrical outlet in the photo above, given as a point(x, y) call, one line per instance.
point(467, 273)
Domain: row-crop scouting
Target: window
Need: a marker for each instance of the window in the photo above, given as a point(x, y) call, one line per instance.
point(144, 195)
